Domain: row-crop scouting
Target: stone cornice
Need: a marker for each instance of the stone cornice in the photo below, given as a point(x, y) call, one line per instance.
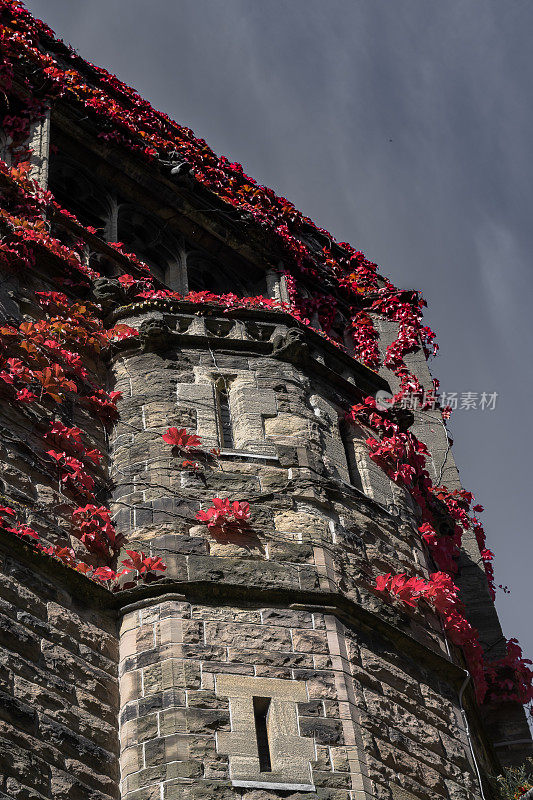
point(345, 608)
point(81, 587)
point(281, 336)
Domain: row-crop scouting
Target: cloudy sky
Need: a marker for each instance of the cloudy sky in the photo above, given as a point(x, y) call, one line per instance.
point(402, 126)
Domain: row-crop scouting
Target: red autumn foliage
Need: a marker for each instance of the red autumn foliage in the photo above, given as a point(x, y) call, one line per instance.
point(93, 527)
point(223, 512)
point(178, 437)
point(43, 369)
point(122, 331)
point(142, 563)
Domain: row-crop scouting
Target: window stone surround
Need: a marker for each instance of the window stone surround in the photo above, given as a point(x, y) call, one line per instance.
point(291, 753)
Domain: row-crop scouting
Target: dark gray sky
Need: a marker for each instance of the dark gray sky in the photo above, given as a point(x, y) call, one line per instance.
point(402, 126)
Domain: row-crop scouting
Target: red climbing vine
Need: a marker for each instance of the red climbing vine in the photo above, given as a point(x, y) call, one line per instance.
point(52, 358)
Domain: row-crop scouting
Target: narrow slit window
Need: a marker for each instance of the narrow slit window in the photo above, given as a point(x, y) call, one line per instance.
point(224, 419)
point(261, 709)
point(351, 460)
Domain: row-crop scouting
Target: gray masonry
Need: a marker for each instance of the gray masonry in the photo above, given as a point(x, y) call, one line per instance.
point(263, 664)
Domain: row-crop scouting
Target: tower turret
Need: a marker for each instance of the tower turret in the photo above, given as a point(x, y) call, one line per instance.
point(235, 543)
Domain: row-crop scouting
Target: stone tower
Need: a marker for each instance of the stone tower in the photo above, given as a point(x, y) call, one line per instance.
point(276, 656)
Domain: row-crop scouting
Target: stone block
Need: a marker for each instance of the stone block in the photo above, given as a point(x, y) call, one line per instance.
point(324, 731)
point(129, 621)
point(201, 720)
point(130, 686)
point(24, 765)
point(65, 787)
point(273, 658)
point(237, 635)
point(313, 708)
point(166, 749)
point(171, 721)
point(301, 522)
point(294, 552)
point(322, 759)
point(286, 429)
point(319, 684)
point(82, 630)
point(219, 668)
point(131, 760)
point(205, 699)
point(241, 571)
point(139, 730)
point(202, 790)
point(227, 614)
point(310, 641)
point(163, 675)
point(237, 686)
point(329, 780)
point(17, 637)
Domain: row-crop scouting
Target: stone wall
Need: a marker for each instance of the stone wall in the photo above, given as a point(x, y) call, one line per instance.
point(59, 697)
point(356, 715)
point(361, 698)
point(58, 684)
point(265, 641)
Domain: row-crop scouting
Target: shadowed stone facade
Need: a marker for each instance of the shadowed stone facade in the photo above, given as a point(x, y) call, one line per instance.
point(371, 696)
point(262, 665)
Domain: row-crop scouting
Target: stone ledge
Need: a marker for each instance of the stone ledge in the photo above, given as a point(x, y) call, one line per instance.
point(208, 593)
point(284, 787)
point(81, 587)
point(366, 380)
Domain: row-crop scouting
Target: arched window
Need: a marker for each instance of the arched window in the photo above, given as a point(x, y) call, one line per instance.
point(147, 237)
point(77, 192)
point(205, 275)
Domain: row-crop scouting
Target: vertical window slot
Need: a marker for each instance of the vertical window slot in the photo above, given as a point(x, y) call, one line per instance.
point(349, 450)
point(261, 709)
point(224, 419)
